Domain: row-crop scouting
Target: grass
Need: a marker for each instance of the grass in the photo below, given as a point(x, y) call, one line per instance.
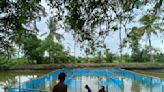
point(94, 65)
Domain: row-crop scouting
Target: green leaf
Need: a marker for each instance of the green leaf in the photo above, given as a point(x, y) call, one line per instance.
point(138, 3)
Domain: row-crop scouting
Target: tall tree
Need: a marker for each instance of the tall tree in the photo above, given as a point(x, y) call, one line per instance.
point(31, 49)
point(150, 26)
point(16, 17)
point(85, 17)
point(52, 25)
point(108, 56)
point(49, 43)
point(56, 51)
point(133, 38)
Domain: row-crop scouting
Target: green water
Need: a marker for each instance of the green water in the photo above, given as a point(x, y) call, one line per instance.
point(155, 73)
point(12, 78)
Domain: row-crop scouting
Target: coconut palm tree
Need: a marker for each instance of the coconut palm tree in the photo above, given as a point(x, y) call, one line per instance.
point(52, 25)
point(150, 26)
point(49, 41)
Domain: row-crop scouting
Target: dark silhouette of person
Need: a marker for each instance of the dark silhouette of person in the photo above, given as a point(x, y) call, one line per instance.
point(102, 89)
point(87, 87)
point(60, 87)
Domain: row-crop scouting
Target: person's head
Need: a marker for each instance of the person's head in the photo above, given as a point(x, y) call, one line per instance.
point(62, 76)
point(86, 86)
point(103, 87)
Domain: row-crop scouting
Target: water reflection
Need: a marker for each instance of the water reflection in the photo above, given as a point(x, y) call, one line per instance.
point(114, 80)
point(140, 83)
point(135, 87)
point(95, 78)
point(16, 78)
point(80, 82)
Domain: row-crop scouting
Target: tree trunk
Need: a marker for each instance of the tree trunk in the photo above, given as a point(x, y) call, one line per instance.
point(19, 51)
point(75, 50)
point(150, 46)
point(8, 53)
point(120, 38)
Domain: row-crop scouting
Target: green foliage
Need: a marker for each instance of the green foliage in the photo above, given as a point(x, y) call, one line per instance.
point(19, 61)
point(109, 56)
point(139, 57)
point(133, 38)
point(138, 3)
point(78, 59)
point(150, 26)
point(52, 24)
point(86, 17)
point(144, 55)
point(3, 62)
point(15, 22)
point(126, 58)
point(160, 57)
point(55, 51)
point(90, 21)
point(31, 49)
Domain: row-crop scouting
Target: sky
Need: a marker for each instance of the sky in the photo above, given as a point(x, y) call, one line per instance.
point(112, 40)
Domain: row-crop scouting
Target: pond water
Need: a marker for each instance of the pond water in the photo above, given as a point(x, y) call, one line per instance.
point(118, 81)
point(13, 78)
point(114, 80)
point(155, 73)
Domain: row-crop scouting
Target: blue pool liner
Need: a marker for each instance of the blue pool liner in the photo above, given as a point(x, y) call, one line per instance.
point(74, 71)
point(150, 81)
point(35, 83)
point(95, 72)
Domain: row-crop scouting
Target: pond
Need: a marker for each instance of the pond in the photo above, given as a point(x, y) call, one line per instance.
point(13, 78)
point(114, 80)
point(155, 73)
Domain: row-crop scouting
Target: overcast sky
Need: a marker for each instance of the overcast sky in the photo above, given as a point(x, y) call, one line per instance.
point(112, 40)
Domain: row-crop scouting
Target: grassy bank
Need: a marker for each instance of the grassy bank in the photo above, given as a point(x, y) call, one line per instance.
point(130, 66)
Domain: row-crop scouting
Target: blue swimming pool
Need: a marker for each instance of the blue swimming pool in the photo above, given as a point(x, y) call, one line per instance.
point(114, 80)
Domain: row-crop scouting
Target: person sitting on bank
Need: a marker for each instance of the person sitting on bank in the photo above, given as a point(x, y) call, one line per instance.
point(87, 87)
point(60, 87)
point(102, 89)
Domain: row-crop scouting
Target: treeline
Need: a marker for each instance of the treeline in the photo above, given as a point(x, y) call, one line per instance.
point(90, 23)
point(142, 56)
point(36, 51)
point(34, 54)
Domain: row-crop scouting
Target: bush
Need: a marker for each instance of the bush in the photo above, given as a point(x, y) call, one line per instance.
point(19, 61)
point(3, 62)
point(160, 57)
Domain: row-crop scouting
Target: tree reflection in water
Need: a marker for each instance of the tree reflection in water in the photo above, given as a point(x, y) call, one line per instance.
point(135, 87)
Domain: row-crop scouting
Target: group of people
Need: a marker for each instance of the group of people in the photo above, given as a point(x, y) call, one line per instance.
point(61, 87)
point(100, 90)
